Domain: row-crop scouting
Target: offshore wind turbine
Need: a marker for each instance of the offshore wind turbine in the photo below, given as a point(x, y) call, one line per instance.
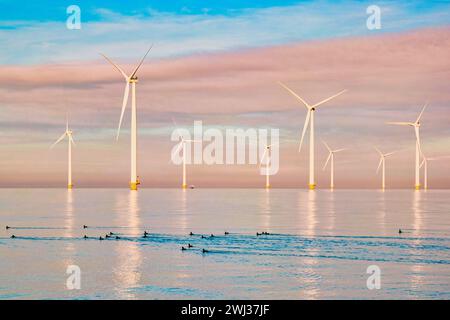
point(267, 150)
point(331, 157)
point(382, 162)
point(309, 121)
point(69, 134)
point(416, 126)
point(131, 79)
point(182, 144)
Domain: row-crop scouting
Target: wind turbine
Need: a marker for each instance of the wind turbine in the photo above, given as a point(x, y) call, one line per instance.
point(383, 162)
point(416, 126)
point(425, 169)
point(267, 150)
point(131, 79)
point(310, 121)
point(331, 157)
point(182, 144)
point(68, 133)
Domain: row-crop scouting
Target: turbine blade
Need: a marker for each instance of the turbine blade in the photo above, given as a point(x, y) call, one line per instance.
point(305, 126)
point(421, 112)
point(124, 105)
point(115, 66)
point(423, 161)
point(378, 151)
point(180, 144)
point(71, 140)
point(295, 95)
point(401, 123)
point(59, 139)
point(438, 158)
point(67, 121)
point(140, 63)
point(326, 162)
point(390, 153)
point(326, 145)
point(328, 99)
point(339, 150)
point(262, 157)
point(379, 164)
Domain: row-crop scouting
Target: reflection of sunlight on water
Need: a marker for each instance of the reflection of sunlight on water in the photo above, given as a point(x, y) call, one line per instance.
point(68, 227)
point(381, 214)
point(129, 259)
point(311, 221)
point(332, 210)
point(183, 223)
point(309, 265)
point(417, 278)
point(266, 210)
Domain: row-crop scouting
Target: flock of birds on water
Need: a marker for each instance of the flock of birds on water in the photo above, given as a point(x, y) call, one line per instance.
point(112, 235)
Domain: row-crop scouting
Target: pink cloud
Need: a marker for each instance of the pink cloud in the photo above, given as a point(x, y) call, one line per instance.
point(388, 76)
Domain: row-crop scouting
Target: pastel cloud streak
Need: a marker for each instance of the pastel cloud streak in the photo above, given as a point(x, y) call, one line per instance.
point(388, 76)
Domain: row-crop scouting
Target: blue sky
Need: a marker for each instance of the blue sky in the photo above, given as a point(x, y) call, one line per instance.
point(35, 31)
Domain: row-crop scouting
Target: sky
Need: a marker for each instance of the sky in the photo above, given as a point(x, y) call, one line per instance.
point(219, 63)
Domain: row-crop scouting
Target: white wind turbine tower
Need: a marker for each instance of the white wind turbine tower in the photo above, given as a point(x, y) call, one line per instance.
point(265, 155)
point(131, 79)
point(416, 126)
point(69, 134)
point(331, 157)
point(310, 121)
point(383, 162)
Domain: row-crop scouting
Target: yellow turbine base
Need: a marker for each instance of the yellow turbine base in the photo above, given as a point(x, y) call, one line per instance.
point(312, 186)
point(69, 186)
point(417, 187)
point(184, 186)
point(267, 186)
point(133, 185)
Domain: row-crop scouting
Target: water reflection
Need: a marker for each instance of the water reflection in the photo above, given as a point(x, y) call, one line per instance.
point(127, 273)
point(417, 270)
point(331, 211)
point(266, 210)
point(381, 212)
point(182, 212)
point(308, 277)
point(311, 213)
point(68, 228)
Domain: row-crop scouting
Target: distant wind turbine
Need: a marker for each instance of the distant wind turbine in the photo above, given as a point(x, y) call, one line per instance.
point(416, 126)
point(182, 144)
point(331, 157)
point(383, 162)
point(310, 121)
point(265, 155)
point(131, 79)
point(68, 133)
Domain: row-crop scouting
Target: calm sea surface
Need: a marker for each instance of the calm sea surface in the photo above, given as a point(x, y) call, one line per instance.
point(319, 247)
